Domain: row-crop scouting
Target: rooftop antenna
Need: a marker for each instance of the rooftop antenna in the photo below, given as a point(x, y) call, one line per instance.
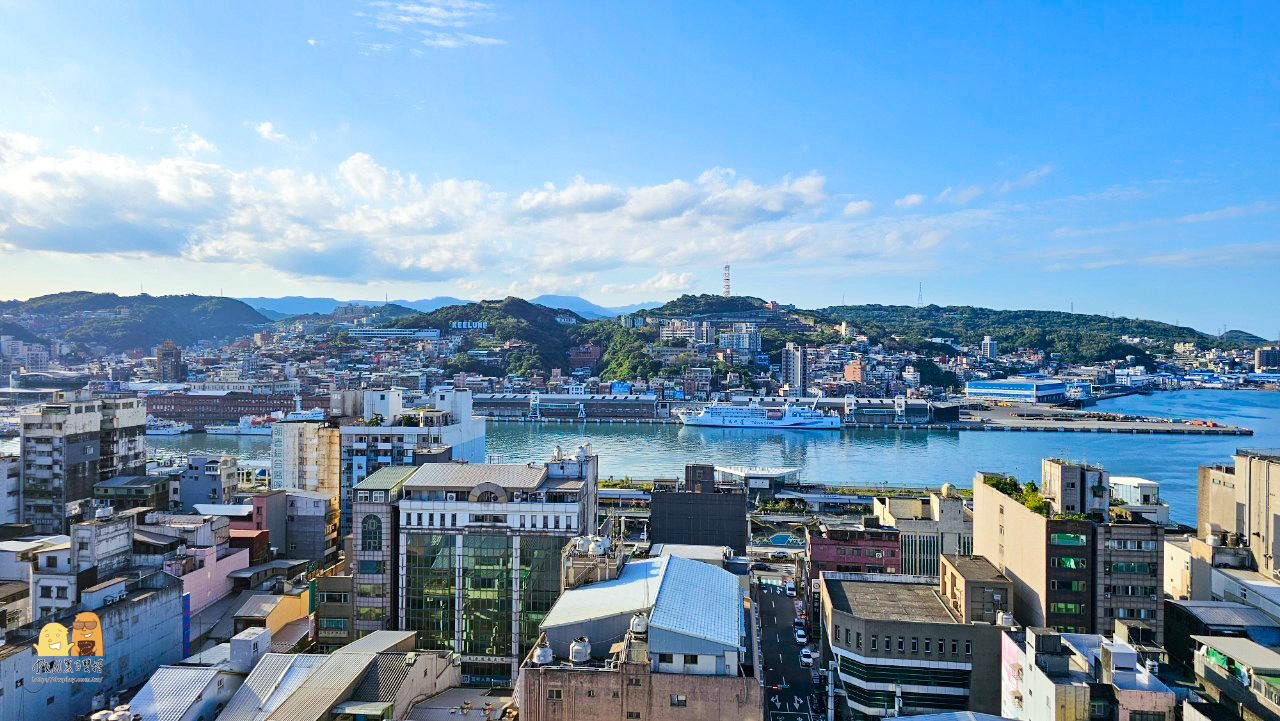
point(920, 296)
point(725, 291)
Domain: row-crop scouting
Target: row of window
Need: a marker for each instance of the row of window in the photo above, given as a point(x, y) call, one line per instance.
point(525, 520)
point(1118, 544)
point(1131, 567)
point(1147, 613)
point(1070, 562)
point(1070, 609)
point(1068, 539)
point(1132, 590)
point(871, 552)
point(689, 659)
point(904, 675)
point(1059, 585)
point(902, 645)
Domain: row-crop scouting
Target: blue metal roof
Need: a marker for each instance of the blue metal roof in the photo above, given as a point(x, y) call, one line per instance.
point(700, 600)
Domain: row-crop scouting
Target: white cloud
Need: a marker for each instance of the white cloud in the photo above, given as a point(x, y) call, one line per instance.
point(267, 131)
point(857, 208)
point(662, 282)
point(311, 41)
point(577, 197)
point(960, 196)
point(909, 201)
point(437, 23)
point(1026, 181)
point(190, 143)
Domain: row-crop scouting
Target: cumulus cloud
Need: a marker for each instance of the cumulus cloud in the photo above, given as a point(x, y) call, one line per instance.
point(190, 143)
point(577, 197)
point(856, 208)
point(663, 282)
point(909, 201)
point(960, 195)
point(267, 131)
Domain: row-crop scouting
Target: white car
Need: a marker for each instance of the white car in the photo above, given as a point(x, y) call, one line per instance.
point(801, 637)
point(806, 658)
point(780, 556)
point(791, 588)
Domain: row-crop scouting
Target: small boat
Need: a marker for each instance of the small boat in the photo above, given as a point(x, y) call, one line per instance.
point(162, 427)
point(248, 426)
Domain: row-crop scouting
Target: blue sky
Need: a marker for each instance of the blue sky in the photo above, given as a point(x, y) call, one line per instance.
point(1115, 158)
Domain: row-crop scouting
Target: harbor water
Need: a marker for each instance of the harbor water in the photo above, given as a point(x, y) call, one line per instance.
point(869, 458)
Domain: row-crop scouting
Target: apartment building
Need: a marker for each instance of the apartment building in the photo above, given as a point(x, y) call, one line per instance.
point(974, 589)
point(375, 571)
point(311, 527)
point(207, 479)
point(928, 528)
point(391, 435)
point(71, 444)
point(1242, 500)
point(10, 488)
point(1072, 572)
point(850, 546)
point(794, 369)
point(306, 455)
point(479, 553)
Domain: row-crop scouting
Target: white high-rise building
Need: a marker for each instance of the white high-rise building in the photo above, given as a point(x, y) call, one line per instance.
point(989, 348)
point(794, 369)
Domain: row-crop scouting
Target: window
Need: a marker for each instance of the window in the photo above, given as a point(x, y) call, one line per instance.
point(665, 658)
point(968, 648)
point(46, 592)
point(915, 645)
point(62, 592)
point(371, 533)
point(902, 643)
point(1147, 716)
point(371, 566)
point(858, 639)
point(691, 659)
point(591, 693)
point(332, 624)
point(487, 497)
point(633, 681)
point(553, 694)
point(370, 590)
point(362, 496)
point(874, 642)
point(50, 561)
point(928, 645)
point(1071, 562)
point(332, 597)
point(1057, 585)
point(679, 700)
point(633, 714)
point(365, 613)
point(955, 647)
point(1067, 539)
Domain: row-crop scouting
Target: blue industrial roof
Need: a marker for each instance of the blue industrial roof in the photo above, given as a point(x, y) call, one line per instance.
point(687, 597)
point(700, 600)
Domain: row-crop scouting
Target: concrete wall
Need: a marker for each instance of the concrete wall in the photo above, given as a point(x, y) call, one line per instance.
point(209, 583)
point(1013, 539)
point(601, 694)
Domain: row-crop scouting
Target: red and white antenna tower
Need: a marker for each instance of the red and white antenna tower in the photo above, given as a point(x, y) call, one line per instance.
point(725, 291)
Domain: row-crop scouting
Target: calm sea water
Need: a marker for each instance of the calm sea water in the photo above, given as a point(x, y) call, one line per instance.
point(872, 457)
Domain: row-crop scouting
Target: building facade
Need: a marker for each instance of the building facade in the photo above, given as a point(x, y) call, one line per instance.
point(70, 445)
point(927, 528)
point(306, 455)
point(479, 551)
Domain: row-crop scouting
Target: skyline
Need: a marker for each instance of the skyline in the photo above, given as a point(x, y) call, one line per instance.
point(1104, 159)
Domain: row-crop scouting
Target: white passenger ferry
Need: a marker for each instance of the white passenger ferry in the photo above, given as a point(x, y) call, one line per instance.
point(756, 416)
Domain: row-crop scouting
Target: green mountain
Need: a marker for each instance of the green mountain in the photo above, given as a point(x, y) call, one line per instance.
point(1077, 336)
point(704, 304)
point(139, 321)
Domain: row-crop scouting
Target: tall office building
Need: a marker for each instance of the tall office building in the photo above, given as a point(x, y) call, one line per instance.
point(169, 365)
point(794, 372)
point(71, 444)
point(927, 528)
point(1244, 499)
point(1072, 572)
point(989, 348)
point(479, 550)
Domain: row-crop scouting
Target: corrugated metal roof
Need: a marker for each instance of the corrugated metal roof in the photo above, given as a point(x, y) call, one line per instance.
point(289, 635)
point(377, 642)
point(1250, 653)
point(324, 688)
point(273, 679)
point(258, 605)
point(469, 475)
point(691, 598)
point(699, 600)
point(383, 679)
point(1226, 613)
point(386, 479)
point(635, 589)
point(170, 692)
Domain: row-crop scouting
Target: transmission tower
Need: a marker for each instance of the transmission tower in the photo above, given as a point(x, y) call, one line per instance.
point(920, 296)
point(725, 291)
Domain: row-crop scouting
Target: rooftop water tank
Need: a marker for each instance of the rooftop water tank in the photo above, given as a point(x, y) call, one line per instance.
point(1004, 618)
point(639, 624)
point(542, 655)
point(948, 490)
point(597, 548)
point(582, 453)
point(580, 650)
point(582, 544)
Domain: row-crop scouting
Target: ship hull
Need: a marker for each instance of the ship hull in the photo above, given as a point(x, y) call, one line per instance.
point(814, 424)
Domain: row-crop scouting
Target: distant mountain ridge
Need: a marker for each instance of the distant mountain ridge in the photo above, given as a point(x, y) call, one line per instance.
point(140, 321)
point(302, 305)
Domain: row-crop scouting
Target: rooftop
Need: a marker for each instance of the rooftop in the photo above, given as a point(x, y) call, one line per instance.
point(223, 509)
point(1270, 454)
point(386, 479)
point(886, 600)
point(131, 482)
point(976, 568)
point(1226, 613)
point(1245, 651)
point(468, 475)
point(171, 691)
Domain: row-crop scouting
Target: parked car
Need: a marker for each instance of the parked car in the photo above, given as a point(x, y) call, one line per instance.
point(758, 566)
point(801, 637)
point(791, 588)
point(780, 556)
point(806, 657)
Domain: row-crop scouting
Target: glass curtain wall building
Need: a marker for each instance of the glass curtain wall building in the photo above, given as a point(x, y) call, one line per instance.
point(479, 561)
